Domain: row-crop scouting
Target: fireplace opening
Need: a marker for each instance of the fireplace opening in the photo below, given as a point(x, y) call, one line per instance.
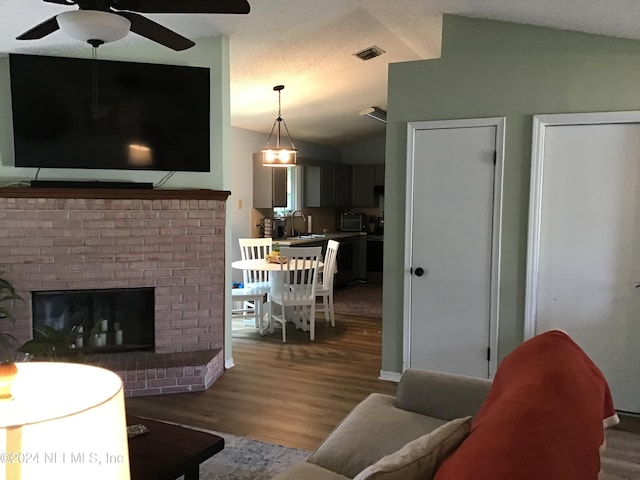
point(105, 320)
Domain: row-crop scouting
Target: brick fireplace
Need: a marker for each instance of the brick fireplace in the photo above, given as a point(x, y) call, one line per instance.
point(170, 240)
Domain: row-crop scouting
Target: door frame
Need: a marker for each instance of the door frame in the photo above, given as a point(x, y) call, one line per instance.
point(412, 128)
point(540, 124)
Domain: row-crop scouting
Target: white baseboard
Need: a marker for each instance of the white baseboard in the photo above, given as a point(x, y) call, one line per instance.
point(229, 364)
point(390, 376)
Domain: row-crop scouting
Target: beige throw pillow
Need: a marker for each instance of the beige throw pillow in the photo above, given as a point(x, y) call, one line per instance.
point(420, 458)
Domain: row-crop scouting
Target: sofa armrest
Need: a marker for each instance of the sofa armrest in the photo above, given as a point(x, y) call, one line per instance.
point(441, 395)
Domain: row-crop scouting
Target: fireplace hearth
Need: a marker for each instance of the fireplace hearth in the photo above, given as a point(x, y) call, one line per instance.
point(97, 320)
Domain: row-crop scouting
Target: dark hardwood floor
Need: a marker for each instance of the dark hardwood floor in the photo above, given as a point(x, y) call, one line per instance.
point(291, 394)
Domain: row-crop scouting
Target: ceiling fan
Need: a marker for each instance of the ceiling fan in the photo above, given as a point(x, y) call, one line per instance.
point(101, 21)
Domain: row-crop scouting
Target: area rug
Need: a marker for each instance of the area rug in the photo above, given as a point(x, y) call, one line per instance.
point(359, 300)
point(246, 459)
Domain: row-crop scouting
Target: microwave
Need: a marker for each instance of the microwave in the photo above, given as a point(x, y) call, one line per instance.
point(352, 222)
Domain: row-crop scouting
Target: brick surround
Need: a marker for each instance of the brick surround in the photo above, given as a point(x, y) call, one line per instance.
point(172, 240)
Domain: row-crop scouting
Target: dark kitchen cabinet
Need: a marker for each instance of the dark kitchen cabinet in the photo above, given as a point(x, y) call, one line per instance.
point(326, 185)
point(269, 185)
point(342, 180)
point(375, 258)
point(365, 179)
point(351, 260)
point(362, 194)
point(378, 175)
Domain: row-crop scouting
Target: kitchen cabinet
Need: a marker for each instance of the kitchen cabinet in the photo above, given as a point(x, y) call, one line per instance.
point(326, 185)
point(342, 179)
point(375, 260)
point(365, 179)
point(269, 185)
point(351, 260)
point(378, 175)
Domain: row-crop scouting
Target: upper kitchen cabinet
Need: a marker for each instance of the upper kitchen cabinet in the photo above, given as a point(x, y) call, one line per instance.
point(378, 175)
point(269, 185)
point(326, 184)
point(365, 179)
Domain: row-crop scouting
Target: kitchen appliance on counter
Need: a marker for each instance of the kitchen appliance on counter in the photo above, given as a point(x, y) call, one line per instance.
point(352, 222)
point(279, 228)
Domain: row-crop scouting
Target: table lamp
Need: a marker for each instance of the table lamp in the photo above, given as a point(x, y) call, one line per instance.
point(62, 420)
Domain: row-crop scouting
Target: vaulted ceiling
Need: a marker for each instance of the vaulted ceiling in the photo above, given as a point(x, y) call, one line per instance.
point(309, 46)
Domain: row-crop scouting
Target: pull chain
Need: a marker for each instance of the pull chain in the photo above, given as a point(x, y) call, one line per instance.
point(94, 82)
point(94, 76)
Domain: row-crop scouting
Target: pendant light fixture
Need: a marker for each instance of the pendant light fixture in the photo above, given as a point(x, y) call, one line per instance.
point(279, 156)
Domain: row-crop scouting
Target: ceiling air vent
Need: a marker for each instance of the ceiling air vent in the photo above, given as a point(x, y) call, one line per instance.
point(369, 53)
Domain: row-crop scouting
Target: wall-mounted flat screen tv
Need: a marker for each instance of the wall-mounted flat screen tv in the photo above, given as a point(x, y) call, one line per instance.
point(74, 113)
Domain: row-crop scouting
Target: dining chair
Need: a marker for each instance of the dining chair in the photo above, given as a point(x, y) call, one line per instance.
point(255, 282)
point(325, 288)
point(253, 249)
point(248, 302)
point(296, 293)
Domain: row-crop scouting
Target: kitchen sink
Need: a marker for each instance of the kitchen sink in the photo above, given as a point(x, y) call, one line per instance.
point(311, 235)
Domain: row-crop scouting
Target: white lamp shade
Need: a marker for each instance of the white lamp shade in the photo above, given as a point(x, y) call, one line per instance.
point(64, 421)
point(88, 25)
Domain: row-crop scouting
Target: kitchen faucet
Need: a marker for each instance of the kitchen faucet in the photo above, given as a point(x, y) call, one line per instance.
point(293, 216)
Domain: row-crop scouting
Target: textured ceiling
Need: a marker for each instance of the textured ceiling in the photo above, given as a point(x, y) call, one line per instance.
point(308, 46)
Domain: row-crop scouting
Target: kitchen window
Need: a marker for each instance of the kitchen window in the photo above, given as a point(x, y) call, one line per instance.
point(294, 193)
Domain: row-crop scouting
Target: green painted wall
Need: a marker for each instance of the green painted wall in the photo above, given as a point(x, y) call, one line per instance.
point(491, 69)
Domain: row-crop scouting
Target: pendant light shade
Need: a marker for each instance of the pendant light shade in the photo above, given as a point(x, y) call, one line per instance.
point(279, 156)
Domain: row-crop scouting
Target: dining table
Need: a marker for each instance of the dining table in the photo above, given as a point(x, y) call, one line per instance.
point(276, 280)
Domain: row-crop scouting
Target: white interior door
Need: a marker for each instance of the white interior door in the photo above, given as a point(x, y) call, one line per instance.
point(584, 239)
point(452, 249)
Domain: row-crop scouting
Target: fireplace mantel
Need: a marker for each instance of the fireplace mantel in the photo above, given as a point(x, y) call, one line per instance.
point(115, 193)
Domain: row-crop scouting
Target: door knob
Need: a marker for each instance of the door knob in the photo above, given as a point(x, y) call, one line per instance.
point(419, 271)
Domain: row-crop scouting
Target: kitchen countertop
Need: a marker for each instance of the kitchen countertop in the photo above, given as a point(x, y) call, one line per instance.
point(316, 238)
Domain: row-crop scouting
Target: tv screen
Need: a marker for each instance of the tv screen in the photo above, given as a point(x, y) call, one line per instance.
point(121, 115)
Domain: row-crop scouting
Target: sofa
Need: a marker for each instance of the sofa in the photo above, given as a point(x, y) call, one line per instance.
point(543, 416)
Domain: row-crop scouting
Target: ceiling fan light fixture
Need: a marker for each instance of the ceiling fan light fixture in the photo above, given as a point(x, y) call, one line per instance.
point(279, 156)
point(86, 25)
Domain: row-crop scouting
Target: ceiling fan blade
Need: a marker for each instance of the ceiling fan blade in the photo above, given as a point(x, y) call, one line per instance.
point(41, 30)
point(183, 6)
point(156, 32)
point(62, 2)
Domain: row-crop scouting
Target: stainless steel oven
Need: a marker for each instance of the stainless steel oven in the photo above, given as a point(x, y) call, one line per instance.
point(375, 253)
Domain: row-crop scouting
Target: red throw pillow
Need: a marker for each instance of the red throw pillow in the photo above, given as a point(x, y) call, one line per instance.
point(543, 417)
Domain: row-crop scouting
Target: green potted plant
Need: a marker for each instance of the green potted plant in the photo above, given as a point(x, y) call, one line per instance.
point(7, 340)
point(52, 344)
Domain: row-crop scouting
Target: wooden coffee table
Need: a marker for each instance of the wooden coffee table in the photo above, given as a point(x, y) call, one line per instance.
point(169, 451)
